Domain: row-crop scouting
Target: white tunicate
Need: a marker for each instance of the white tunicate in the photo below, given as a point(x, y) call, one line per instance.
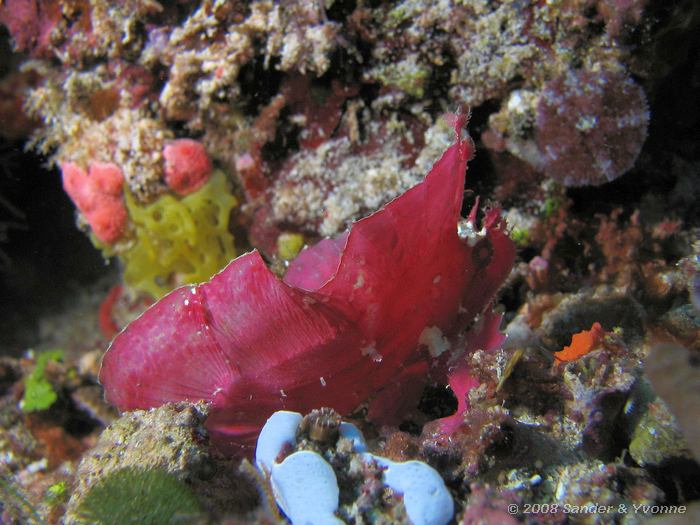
point(427, 500)
point(279, 430)
point(306, 489)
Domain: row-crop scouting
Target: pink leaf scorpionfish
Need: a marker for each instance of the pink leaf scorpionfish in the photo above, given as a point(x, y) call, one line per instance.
point(358, 318)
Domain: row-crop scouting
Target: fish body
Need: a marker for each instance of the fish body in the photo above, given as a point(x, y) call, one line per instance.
point(357, 318)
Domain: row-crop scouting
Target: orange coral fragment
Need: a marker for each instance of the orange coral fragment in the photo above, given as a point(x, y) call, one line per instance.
point(581, 343)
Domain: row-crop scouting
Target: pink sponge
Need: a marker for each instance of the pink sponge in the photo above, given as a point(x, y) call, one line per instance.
point(98, 196)
point(187, 165)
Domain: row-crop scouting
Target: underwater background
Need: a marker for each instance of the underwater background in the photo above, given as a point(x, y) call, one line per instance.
point(380, 339)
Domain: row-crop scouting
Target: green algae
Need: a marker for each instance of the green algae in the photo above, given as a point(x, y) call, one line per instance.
point(39, 393)
point(144, 497)
point(407, 75)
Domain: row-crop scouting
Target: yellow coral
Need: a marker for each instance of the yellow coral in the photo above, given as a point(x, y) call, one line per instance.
point(180, 240)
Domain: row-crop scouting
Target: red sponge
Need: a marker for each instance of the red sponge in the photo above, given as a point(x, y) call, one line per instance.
point(187, 165)
point(98, 196)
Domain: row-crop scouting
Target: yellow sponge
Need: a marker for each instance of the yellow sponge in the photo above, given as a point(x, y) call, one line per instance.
point(180, 240)
point(289, 245)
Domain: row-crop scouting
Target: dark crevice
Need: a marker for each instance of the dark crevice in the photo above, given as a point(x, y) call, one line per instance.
point(259, 84)
point(47, 259)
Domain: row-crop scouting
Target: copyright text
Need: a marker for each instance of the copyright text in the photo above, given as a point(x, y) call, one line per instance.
point(621, 508)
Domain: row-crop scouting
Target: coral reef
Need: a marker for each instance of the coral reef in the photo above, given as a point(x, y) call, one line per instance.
point(172, 439)
point(584, 127)
point(331, 185)
point(31, 24)
point(193, 65)
point(168, 439)
point(590, 127)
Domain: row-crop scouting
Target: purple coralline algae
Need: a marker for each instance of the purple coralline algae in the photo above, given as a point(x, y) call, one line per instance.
point(590, 126)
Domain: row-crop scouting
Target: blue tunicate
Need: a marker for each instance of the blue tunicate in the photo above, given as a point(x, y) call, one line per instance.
point(279, 430)
point(351, 432)
point(425, 496)
point(306, 489)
